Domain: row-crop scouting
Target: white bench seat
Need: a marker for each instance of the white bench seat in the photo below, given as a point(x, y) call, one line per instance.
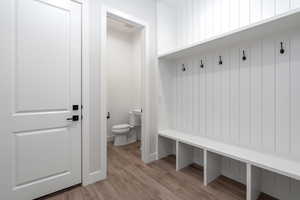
point(265, 161)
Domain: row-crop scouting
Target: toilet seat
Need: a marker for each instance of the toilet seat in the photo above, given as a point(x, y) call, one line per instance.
point(121, 128)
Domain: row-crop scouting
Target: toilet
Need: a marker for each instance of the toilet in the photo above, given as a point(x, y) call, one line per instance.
point(125, 133)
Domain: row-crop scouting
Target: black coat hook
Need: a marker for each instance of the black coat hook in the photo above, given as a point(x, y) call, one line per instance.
point(220, 60)
point(183, 68)
point(201, 65)
point(244, 55)
point(281, 48)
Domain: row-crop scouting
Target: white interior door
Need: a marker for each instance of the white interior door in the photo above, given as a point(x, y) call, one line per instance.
point(40, 83)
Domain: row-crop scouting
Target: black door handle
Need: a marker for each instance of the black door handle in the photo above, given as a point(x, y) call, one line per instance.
point(74, 118)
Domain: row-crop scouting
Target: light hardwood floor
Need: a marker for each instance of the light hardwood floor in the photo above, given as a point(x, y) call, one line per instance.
point(130, 179)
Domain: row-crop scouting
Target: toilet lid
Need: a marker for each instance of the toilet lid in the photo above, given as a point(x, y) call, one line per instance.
point(121, 126)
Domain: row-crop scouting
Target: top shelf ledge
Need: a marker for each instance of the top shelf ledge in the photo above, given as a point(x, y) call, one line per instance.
point(285, 21)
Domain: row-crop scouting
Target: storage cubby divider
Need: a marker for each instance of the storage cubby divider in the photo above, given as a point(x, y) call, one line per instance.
point(185, 155)
point(212, 166)
point(188, 154)
point(253, 182)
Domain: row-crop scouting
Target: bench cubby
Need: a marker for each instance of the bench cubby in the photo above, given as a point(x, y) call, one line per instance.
point(165, 147)
point(187, 155)
point(260, 181)
point(256, 164)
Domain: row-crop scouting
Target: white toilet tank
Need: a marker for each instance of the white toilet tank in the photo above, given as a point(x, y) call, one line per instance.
point(134, 120)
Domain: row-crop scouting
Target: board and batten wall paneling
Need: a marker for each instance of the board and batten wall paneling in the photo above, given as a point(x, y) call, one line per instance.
point(295, 95)
point(190, 23)
point(166, 26)
point(179, 97)
point(202, 96)
point(268, 95)
point(251, 102)
point(282, 6)
point(217, 131)
point(188, 97)
point(295, 3)
point(262, 94)
point(197, 20)
point(268, 8)
point(283, 133)
point(196, 98)
point(225, 93)
point(255, 10)
point(234, 18)
point(244, 12)
point(244, 94)
point(225, 15)
point(234, 96)
point(254, 103)
point(217, 16)
point(209, 96)
point(167, 90)
point(256, 95)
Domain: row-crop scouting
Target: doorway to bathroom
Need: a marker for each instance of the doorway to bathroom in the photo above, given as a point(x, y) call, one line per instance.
point(124, 104)
point(124, 90)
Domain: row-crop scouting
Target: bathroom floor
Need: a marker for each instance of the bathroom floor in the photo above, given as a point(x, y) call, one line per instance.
point(130, 179)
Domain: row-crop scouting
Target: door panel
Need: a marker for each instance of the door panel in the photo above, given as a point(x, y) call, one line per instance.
point(42, 57)
point(44, 148)
point(30, 165)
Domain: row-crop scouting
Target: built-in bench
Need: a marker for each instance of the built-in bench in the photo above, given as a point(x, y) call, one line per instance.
point(214, 150)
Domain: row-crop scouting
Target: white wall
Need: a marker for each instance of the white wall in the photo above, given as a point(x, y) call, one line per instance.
point(195, 20)
point(123, 75)
point(145, 10)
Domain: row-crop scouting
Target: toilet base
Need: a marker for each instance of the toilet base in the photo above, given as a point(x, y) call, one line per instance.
point(124, 139)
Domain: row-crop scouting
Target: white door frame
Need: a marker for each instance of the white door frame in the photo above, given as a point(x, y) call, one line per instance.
point(101, 21)
point(105, 12)
point(85, 94)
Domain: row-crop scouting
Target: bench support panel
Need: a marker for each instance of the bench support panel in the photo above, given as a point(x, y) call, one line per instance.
point(212, 166)
point(253, 182)
point(185, 155)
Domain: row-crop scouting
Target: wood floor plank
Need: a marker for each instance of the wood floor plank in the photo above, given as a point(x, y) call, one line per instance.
point(131, 179)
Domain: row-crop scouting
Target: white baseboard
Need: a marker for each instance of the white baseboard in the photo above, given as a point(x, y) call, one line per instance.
point(110, 138)
point(152, 157)
point(95, 177)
